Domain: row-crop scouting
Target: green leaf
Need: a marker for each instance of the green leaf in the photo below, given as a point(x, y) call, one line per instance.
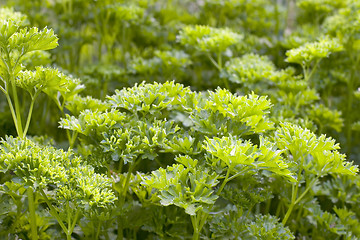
point(94, 123)
point(27, 40)
point(222, 113)
point(250, 68)
point(47, 80)
point(309, 52)
point(238, 155)
point(208, 39)
point(78, 104)
point(187, 188)
point(8, 14)
point(148, 98)
point(316, 155)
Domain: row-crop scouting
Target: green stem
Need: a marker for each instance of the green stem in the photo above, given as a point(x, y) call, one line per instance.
point(204, 216)
point(68, 135)
point(249, 210)
point(305, 72)
point(74, 222)
point(290, 14)
point(267, 206)
point(68, 235)
point(30, 113)
point(224, 182)
point(3, 90)
point(311, 184)
point(312, 71)
point(122, 196)
point(70, 6)
point(33, 226)
point(214, 62)
point(295, 201)
point(220, 67)
point(121, 165)
point(120, 234)
point(201, 219)
point(17, 106)
point(64, 6)
point(294, 192)
point(195, 223)
point(219, 60)
point(128, 175)
point(54, 212)
point(73, 139)
point(98, 230)
point(105, 88)
point(287, 215)
point(292, 204)
point(278, 209)
point(134, 234)
point(237, 174)
point(13, 114)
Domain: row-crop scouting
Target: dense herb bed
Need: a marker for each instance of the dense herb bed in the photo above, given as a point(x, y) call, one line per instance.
point(214, 119)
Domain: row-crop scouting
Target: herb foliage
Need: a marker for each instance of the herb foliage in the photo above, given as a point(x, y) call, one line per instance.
point(215, 119)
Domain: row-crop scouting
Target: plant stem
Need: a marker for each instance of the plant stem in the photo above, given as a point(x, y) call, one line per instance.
point(13, 114)
point(122, 196)
point(195, 223)
point(33, 226)
point(98, 230)
point(278, 209)
point(287, 215)
point(68, 235)
point(75, 220)
point(224, 182)
point(3, 90)
point(105, 88)
point(219, 63)
point(294, 191)
point(54, 212)
point(72, 138)
point(200, 220)
point(267, 206)
point(308, 76)
point(17, 106)
point(120, 234)
point(214, 62)
point(295, 201)
point(30, 113)
point(311, 184)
